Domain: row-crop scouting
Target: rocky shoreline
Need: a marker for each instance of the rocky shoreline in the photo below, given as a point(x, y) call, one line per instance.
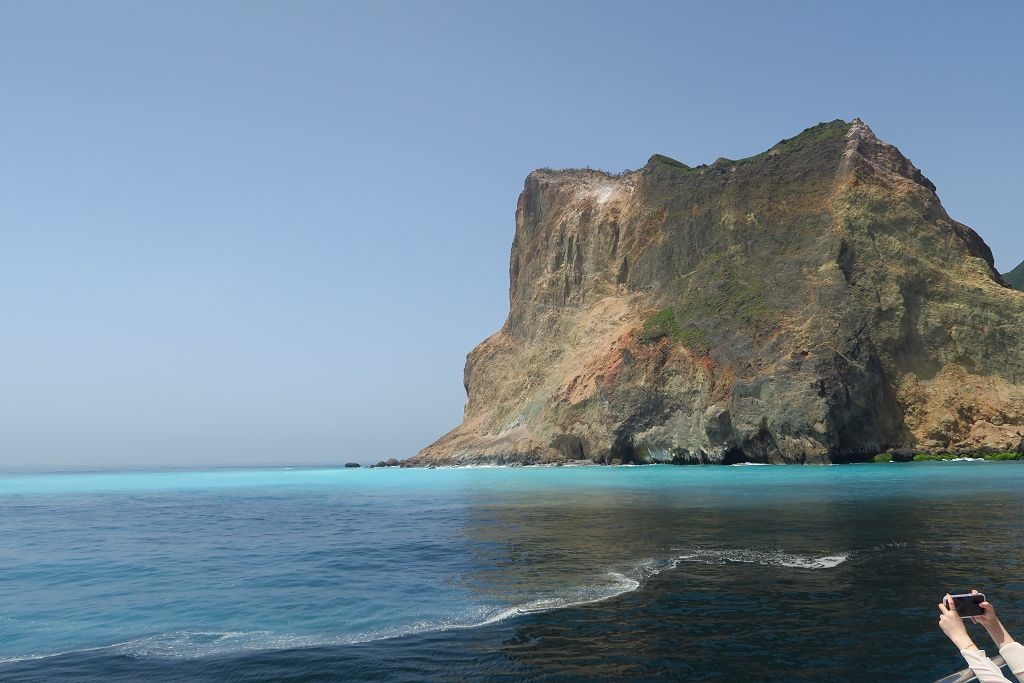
point(896, 455)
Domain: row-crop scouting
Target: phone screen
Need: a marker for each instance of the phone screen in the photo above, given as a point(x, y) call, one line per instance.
point(969, 605)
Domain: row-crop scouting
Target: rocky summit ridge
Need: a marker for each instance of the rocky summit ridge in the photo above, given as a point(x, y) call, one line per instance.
point(813, 303)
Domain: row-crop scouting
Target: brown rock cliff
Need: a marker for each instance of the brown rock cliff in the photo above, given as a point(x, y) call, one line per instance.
point(813, 303)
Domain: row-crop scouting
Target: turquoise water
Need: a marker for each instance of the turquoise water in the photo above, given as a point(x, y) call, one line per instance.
point(599, 572)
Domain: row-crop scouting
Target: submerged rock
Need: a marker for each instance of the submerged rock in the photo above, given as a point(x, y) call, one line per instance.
point(813, 303)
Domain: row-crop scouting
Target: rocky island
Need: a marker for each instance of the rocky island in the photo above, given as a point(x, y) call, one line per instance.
point(813, 303)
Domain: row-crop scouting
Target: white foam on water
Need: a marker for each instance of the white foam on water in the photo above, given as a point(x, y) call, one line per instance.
point(619, 585)
point(47, 655)
point(202, 644)
point(767, 558)
point(586, 595)
point(826, 562)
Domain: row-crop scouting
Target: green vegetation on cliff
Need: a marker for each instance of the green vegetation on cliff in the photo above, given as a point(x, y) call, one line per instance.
point(832, 132)
point(662, 159)
point(943, 457)
point(823, 135)
point(1015, 278)
point(664, 324)
point(1004, 456)
point(937, 457)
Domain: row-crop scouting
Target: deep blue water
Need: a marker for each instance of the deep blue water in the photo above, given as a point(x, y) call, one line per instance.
point(601, 573)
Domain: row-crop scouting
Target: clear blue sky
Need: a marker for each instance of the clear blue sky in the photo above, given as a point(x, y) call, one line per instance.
point(253, 232)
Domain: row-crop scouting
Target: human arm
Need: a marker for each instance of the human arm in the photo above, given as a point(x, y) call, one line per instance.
point(991, 622)
point(983, 667)
point(953, 626)
point(1012, 652)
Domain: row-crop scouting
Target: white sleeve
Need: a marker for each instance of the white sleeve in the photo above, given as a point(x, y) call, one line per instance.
point(983, 667)
point(1013, 653)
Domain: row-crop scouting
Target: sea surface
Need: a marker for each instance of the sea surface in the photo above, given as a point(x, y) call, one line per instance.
point(558, 574)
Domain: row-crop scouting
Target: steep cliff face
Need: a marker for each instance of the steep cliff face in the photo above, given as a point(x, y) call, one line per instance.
point(1015, 278)
point(812, 303)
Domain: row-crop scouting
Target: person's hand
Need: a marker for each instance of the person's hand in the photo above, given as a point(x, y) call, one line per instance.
point(992, 624)
point(988, 619)
point(952, 625)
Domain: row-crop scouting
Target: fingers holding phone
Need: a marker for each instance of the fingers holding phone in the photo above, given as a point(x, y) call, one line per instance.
point(951, 623)
point(988, 612)
point(968, 604)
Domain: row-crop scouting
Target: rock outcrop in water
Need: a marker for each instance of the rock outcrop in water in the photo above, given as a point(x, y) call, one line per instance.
point(1015, 278)
point(813, 303)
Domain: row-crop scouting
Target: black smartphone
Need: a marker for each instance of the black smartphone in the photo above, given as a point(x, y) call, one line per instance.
point(969, 604)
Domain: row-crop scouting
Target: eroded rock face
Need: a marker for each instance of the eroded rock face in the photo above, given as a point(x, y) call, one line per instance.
point(814, 303)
